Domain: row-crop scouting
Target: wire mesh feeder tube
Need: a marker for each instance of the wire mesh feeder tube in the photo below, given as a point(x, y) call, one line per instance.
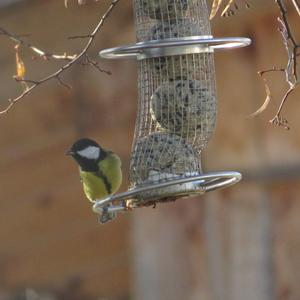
point(176, 118)
point(177, 100)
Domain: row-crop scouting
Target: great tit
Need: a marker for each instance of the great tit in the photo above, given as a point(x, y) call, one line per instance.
point(99, 169)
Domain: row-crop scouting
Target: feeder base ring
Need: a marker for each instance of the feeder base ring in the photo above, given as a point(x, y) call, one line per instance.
point(141, 196)
point(178, 46)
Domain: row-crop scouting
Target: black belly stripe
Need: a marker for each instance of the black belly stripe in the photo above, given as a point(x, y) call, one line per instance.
point(107, 184)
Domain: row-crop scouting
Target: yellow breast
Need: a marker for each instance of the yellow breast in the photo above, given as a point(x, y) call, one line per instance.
point(97, 187)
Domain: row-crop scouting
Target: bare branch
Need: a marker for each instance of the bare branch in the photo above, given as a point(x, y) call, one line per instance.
point(278, 119)
point(291, 73)
point(297, 6)
point(229, 9)
point(63, 83)
point(39, 52)
point(268, 97)
point(96, 65)
point(56, 75)
point(273, 69)
point(80, 2)
point(25, 80)
point(226, 10)
point(215, 7)
point(85, 36)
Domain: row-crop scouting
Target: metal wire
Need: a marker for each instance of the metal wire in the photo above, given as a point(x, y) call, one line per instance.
point(198, 184)
point(174, 46)
point(177, 102)
point(160, 19)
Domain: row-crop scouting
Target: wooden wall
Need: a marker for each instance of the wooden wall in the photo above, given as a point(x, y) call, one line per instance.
point(242, 242)
point(50, 238)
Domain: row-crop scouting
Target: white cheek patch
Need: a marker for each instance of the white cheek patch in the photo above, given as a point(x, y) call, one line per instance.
point(91, 152)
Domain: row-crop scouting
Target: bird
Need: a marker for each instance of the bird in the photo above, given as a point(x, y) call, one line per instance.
point(99, 169)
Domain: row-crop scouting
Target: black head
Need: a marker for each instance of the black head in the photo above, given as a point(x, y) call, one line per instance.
point(87, 153)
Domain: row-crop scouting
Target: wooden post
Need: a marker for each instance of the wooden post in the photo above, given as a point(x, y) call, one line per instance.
point(239, 235)
point(169, 252)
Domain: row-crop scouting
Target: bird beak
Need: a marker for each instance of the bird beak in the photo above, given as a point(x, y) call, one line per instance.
point(70, 152)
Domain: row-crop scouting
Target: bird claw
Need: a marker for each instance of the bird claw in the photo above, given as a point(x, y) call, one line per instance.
point(106, 216)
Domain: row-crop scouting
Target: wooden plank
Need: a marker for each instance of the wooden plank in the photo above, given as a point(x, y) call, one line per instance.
point(286, 239)
point(169, 252)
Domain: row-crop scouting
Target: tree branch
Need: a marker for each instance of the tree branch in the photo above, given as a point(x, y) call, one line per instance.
point(56, 75)
point(297, 6)
point(278, 119)
point(39, 52)
point(291, 72)
point(229, 9)
point(95, 64)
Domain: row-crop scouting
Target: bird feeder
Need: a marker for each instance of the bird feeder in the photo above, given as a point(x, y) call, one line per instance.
point(177, 104)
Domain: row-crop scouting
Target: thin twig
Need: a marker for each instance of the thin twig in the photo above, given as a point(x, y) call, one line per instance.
point(291, 69)
point(297, 6)
point(63, 83)
point(58, 73)
point(39, 52)
point(95, 64)
point(278, 119)
point(291, 72)
point(267, 89)
point(229, 9)
point(273, 69)
point(283, 13)
point(85, 36)
point(25, 80)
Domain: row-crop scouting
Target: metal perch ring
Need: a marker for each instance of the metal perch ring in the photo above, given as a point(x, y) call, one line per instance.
point(205, 183)
point(168, 47)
